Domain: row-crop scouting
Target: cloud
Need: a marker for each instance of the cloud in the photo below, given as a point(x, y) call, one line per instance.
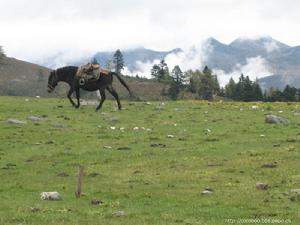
point(33, 28)
point(256, 67)
point(271, 46)
point(191, 58)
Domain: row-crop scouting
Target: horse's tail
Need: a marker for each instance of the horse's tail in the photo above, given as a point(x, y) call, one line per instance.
point(123, 83)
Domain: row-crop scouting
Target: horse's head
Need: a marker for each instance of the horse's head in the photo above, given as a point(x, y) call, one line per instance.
point(52, 81)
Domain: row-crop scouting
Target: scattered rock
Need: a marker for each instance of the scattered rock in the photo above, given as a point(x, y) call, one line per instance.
point(35, 118)
point(16, 121)
point(159, 108)
point(123, 148)
point(34, 209)
point(297, 191)
point(107, 147)
point(297, 114)
point(272, 119)
point(58, 125)
point(62, 174)
point(208, 189)
point(96, 202)
point(119, 213)
point(94, 174)
point(159, 145)
point(206, 192)
point(51, 196)
point(269, 165)
point(262, 186)
point(9, 166)
point(170, 136)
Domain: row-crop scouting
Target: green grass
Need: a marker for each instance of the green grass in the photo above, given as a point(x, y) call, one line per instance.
point(217, 145)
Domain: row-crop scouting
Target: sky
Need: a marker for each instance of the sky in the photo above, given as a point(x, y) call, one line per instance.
point(31, 29)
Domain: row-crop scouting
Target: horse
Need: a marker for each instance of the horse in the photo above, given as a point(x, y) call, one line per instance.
point(68, 75)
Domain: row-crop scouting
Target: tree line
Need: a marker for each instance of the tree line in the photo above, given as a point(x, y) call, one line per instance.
point(205, 85)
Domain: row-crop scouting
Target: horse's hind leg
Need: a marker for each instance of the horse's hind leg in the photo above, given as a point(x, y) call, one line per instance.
point(78, 98)
point(113, 92)
point(70, 96)
point(103, 97)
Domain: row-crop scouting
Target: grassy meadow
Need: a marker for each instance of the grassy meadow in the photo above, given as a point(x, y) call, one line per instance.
point(149, 163)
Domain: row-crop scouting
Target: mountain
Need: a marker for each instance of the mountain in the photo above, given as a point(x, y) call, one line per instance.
point(280, 59)
point(277, 59)
point(132, 56)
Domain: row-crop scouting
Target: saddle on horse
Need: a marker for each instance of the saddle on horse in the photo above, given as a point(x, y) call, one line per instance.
point(89, 72)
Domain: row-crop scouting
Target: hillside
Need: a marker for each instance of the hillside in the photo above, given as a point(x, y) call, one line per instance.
point(20, 78)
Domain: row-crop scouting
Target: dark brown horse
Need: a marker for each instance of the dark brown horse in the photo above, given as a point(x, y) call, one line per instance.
point(67, 75)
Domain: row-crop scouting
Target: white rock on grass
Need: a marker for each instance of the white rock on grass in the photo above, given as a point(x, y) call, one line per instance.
point(52, 196)
point(170, 136)
point(262, 186)
point(207, 191)
point(35, 118)
point(276, 119)
point(136, 128)
point(119, 213)
point(16, 121)
point(297, 191)
point(254, 107)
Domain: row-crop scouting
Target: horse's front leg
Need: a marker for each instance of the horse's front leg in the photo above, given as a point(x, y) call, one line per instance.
point(70, 97)
point(103, 97)
point(78, 98)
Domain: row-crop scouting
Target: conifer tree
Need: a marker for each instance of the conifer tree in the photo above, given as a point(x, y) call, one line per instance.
point(118, 61)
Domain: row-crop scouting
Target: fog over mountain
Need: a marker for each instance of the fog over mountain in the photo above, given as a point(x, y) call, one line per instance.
point(274, 63)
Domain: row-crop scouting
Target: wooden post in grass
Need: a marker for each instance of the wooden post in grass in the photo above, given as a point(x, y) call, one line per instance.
point(79, 181)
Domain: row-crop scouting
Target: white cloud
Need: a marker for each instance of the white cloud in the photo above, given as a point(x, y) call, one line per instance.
point(271, 46)
point(256, 67)
point(191, 58)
